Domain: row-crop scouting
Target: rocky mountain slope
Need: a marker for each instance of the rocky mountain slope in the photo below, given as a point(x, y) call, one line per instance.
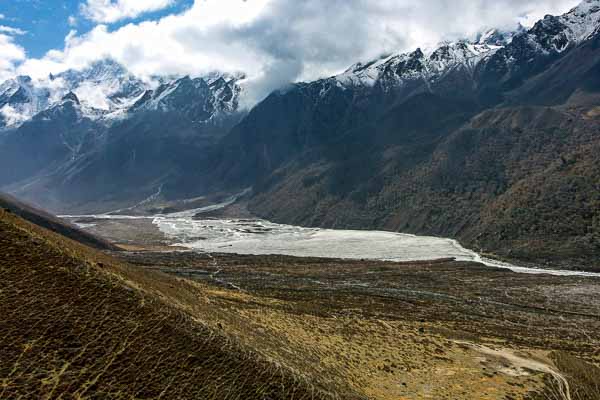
point(102, 137)
point(495, 144)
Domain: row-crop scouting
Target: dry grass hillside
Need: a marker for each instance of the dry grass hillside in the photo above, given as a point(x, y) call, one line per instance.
point(77, 324)
point(387, 329)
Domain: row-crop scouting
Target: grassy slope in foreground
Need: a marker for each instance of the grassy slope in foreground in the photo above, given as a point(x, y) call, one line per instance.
point(74, 323)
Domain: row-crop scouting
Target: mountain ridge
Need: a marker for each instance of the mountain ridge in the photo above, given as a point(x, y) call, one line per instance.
point(106, 90)
point(69, 152)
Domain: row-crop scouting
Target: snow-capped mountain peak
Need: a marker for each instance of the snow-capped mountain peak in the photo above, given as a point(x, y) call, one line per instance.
point(20, 100)
point(97, 71)
point(391, 71)
point(104, 85)
point(102, 88)
point(106, 91)
point(71, 97)
point(200, 99)
point(558, 33)
point(498, 37)
point(582, 21)
point(551, 35)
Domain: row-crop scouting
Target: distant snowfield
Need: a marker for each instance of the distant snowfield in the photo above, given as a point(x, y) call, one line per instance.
point(260, 237)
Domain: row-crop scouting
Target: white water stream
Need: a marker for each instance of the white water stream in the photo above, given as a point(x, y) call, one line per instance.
point(260, 237)
point(253, 236)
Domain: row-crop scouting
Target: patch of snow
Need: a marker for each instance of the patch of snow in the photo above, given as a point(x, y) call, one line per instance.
point(9, 88)
point(428, 65)
point(13, 117)
point(94, 95)
point(582, 21)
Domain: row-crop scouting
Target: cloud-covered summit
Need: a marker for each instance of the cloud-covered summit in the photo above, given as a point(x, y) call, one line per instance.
point(273, 41)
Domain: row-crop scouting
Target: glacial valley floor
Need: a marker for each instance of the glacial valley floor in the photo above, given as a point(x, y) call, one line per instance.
point(439, 329)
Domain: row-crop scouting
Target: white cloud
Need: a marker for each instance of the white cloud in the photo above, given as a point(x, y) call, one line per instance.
point(109, 11)
point(11, 31)
point(72, 21)
point(2, 16)
point(279, 41)
point(10, 55)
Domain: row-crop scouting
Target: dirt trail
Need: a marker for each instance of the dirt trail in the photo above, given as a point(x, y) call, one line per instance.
point(521, 363)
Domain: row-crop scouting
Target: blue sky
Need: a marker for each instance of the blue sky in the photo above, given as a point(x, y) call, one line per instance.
point(46, 22)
